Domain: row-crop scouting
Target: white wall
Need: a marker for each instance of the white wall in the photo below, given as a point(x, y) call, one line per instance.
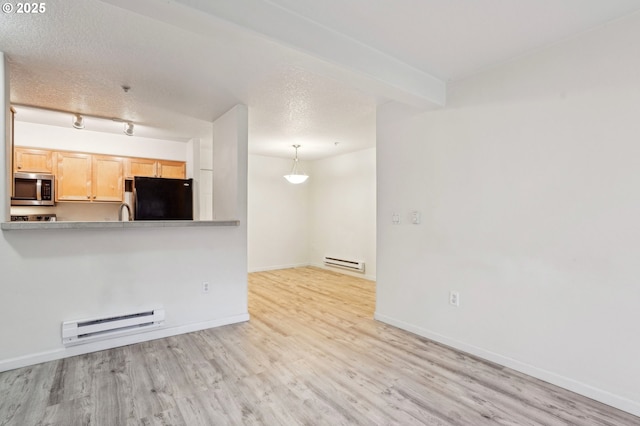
point(528, 185)
point(5, 119)
point(332, 213)
point(70, 139)
point(49, 276)
point(343, 209)
point(229, 170)
point(278, 216)
point(205, 173)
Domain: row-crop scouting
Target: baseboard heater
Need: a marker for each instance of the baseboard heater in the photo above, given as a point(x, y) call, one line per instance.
point(90, 330)
point(352, 265)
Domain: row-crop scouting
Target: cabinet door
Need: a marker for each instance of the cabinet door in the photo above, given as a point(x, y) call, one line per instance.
point(171, 169)
point(33, 160)
point(107, 178)
point(140, 167)
point(73, 177)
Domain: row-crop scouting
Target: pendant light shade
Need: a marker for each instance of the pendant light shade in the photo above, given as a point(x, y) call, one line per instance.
point(296, 175)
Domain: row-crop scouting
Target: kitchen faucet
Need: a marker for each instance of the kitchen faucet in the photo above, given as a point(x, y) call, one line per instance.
point(120, 211)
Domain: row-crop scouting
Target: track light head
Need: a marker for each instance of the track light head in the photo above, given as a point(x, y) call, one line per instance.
point(128, 129)
point(78, 121)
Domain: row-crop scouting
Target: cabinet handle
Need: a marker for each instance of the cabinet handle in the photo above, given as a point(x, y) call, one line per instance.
point(19, 167)
point(89, 197)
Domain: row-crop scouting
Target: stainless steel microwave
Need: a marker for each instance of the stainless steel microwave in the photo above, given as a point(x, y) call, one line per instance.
point(33, 189)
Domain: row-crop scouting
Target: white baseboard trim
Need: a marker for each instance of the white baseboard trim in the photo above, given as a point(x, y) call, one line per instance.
point(600, 395)
point(159, 333)
point(317, 265)
point(345, 272)
point(274, 268)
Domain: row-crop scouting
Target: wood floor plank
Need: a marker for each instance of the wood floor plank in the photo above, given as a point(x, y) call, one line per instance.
point(29, 387)
point(75, 412)
point(148, 381)
point(311, 355)
point(112, 397)
point(170, 417)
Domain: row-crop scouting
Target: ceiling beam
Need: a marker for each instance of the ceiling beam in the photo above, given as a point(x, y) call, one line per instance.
point(337, 56)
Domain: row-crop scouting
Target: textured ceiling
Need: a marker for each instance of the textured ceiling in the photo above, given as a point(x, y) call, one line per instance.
point(77, 56)
point(308, 110)
point(452, 39)
point(186, 65)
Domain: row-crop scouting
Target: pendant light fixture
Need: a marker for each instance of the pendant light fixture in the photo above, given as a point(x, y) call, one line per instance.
point(296, 175)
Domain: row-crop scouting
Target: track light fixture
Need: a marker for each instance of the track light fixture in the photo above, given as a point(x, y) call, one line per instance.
point(128, 129)
point(78, 121)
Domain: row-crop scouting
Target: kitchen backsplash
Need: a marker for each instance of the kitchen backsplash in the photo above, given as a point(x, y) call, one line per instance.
point(74, 212)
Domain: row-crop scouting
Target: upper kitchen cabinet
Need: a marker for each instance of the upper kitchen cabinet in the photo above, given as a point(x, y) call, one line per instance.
point(172, 169)
point(31, 160)
point(147, 167)
point(140, 167)
point(73, 176)
point(86, 177)
point(107, 175)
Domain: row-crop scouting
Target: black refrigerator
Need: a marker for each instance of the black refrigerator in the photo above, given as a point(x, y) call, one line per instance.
point(163, 199)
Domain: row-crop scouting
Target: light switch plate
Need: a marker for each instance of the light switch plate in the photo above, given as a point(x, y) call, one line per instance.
point(415, 217)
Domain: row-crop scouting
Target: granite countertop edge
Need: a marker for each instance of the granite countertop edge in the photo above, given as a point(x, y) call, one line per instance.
point(14, 226)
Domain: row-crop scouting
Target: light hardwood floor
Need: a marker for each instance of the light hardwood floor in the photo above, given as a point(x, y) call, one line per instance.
point(311, 354)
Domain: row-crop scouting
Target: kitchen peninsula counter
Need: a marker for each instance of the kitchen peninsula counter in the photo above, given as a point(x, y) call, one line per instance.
point(16, 226)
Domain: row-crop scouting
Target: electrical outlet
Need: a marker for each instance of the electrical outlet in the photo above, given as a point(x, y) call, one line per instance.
point(454, 298)
point(205, 287)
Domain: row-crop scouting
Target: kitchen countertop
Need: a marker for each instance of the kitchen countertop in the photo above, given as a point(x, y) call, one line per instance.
point(13, 226)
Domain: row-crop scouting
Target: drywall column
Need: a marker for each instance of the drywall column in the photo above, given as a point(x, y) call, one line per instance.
point(230, 139)
point(206, 178)
point(193, 166)
point(5, 128)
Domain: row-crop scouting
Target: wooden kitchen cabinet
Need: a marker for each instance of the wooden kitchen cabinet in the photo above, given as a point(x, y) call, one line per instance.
point(73, 176)
point(172, 169)
point(140, 167)
point(107, 178)
point(93, 177)
point(86, 177)
point(31, 160)
point(148, 167)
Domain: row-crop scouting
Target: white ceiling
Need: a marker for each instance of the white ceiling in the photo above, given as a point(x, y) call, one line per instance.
point(311, 72)
point(453, 39)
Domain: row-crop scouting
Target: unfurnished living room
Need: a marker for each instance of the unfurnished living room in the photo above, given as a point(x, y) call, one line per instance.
point(364, 212)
